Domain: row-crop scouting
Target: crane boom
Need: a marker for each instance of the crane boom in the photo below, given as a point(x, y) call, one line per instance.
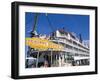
point(35, 25)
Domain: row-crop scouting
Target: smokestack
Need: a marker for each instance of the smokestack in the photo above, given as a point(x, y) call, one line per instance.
point(63, 28)
point(80, 38)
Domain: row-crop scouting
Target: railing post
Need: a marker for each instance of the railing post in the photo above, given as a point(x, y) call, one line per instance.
point(37, 59)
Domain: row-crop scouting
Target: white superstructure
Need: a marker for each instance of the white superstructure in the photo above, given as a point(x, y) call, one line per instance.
point(73, 47)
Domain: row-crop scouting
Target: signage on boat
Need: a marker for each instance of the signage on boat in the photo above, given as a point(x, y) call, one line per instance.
point(42, 44)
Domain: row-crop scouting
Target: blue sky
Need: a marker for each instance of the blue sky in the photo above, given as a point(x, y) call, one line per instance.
point(78, 24)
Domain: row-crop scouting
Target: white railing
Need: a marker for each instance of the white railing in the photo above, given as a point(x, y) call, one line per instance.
point(74, 51)
point(71, 44)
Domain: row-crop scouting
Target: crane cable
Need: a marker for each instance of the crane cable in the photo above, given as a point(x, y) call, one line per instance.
point(50, 24)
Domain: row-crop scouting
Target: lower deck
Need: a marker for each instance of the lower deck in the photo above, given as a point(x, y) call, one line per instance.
point(55, 59)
